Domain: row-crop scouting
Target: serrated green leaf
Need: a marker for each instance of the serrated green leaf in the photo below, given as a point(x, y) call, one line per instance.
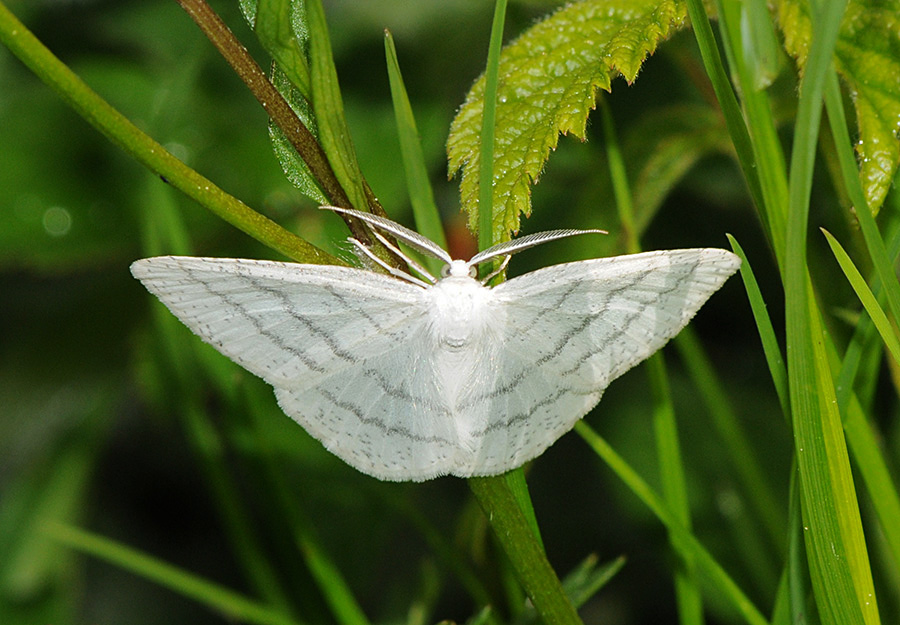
point(549, 79)
point(867, 56)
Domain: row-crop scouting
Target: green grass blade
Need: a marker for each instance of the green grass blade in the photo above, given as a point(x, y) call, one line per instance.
point(865, 295)
point(230, 603)
point(487, 235)
point(875, 244)
point(428, 219)
point(764, 503)
point(768, 164)
point(671, 467)
point(868, 455)
point(734, 119)
point(802, 600)
point(512, 483)
point(864, 444)
point(862, 341)
point(766, 330)
point(328, 105)
point(836, 551)
point(688, 546)
point(292, 517)
point(674, 487)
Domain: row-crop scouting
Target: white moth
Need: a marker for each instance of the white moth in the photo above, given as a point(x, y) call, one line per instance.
point(408, 380)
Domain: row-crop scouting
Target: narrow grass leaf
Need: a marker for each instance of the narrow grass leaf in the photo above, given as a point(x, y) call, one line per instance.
point(428, 219)
point(731, 110)
point(230, 603)
point(865, 295)
point(290, 518)
point(494, 492)
point(868, 455)
point(588, 578)
point(481, 217)
point(688, 546)
point(745, 462)
point(764, 166)
point(690, 606)
point(765, 329)
point(674, 487)
point(862, 439)
point(759, 44)
point(836, 551)
point(881, 261)
point(328, 105)
point(803, 610)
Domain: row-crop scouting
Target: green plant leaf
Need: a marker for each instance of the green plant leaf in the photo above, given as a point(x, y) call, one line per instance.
point(295, 168)
point(549, 79)
point(275, 26)
point(765, 328)
point(832, 528)
point(281, 29)
point(868, 59)
point(328, 105)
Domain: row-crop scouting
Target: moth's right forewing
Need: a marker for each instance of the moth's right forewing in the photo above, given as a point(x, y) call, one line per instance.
point(599, 318)
point(572, 329)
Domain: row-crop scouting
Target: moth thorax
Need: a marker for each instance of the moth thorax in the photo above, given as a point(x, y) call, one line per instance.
point(460, 313)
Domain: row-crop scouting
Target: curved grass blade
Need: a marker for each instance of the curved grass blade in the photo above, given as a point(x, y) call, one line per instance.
point(216, 597)
point(835, 545)
point(866, 297)
point(719, 581)
point(145, 150)
point(421, 196)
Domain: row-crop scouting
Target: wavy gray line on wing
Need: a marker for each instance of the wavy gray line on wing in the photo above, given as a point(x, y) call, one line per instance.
point(357, 411)
point(585, 323)
point(362, 313)
point(276, 340)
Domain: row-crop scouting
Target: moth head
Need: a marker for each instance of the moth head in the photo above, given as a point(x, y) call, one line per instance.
point(458, 269)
